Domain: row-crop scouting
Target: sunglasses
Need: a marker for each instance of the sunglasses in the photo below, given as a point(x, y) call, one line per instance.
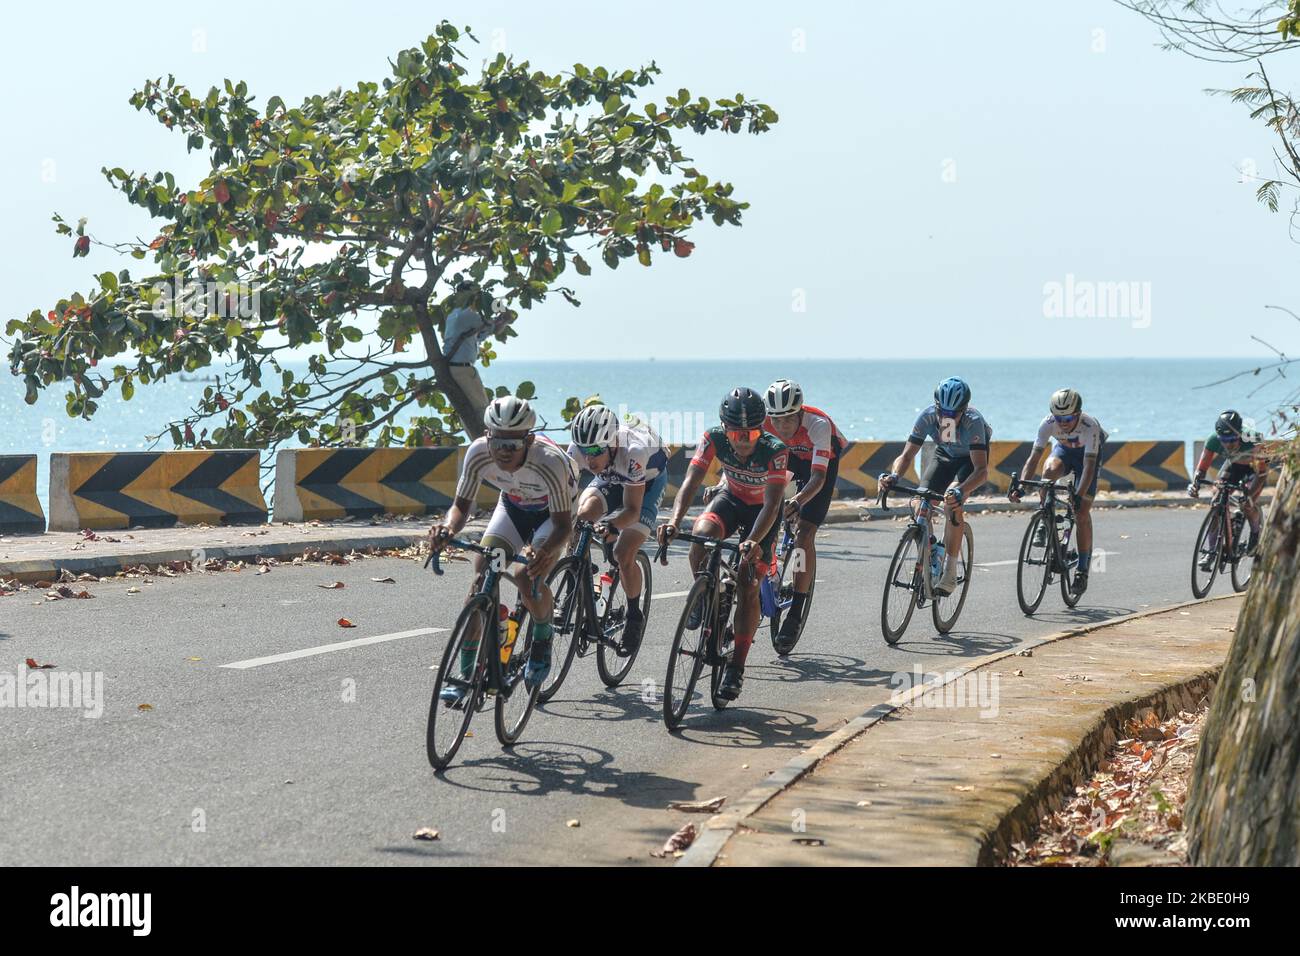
point(743, 434)
point(506, 444)
point(1065, 419)
point(949, 412)
point(591, 451)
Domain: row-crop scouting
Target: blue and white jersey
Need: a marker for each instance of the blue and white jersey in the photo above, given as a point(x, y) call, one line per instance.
point(639, 459)
point(954, 438)
point(1087, 434)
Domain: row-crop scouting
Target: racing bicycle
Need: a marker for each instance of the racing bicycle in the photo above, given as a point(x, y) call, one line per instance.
point(917, 566)
point(482, 675)
point(1043, 556)
point(1223, 540)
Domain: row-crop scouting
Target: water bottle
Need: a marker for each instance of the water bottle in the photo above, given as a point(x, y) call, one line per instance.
point(1238, 525)
point(509, 630)
point(603, 587)
point(936, 559)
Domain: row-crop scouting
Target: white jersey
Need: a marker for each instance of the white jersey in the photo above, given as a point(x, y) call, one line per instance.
point(1087, 434)
point(547, 480)
point(639, 459)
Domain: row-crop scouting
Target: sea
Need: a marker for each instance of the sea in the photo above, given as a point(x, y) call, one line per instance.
point(1135, 398)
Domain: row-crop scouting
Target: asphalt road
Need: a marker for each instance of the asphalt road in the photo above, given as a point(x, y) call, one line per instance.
point(318, 757)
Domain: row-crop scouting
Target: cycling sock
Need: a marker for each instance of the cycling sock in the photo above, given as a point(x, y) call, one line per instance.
point(542, 631)
point(743, 643)
point(796, 604)
point(1085, 559)
point(1256, 522)
point(634, 606)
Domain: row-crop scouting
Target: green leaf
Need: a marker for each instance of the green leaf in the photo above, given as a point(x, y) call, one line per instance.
point(580, 264)
point(552, 222)
point(526, 390)
point(128, 389)
point(234, 328)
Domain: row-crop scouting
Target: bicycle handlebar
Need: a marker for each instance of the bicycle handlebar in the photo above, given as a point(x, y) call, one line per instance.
point(435, 559)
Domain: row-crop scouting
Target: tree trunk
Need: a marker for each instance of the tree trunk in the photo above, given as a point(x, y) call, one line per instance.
point(1244, 799)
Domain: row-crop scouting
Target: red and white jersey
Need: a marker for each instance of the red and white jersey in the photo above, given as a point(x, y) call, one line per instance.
point(817, 439)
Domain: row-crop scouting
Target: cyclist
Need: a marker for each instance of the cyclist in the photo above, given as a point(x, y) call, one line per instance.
point(631, 472)
point(1076, 449)
point(814, 445)
point(1246, 465)
point(960, 463)
point(754, 477)
point(534, 515)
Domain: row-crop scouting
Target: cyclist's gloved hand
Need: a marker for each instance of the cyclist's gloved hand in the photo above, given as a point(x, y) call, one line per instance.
point(887, 479)
point(791, 509)
point(711, 491)
point(1014, 493)
point(602, 529)
point(665, 534)
point(956, 496)
point(1194, 489)
point(439, 535)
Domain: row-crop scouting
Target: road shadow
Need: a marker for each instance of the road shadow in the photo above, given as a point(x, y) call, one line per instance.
point(746, 727)
point(625, 702)
point(541, 768)
point(1081, 615)
point(959, 644)
point(837, 669)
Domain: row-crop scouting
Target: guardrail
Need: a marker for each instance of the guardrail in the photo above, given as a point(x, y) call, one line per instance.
point(107, 490)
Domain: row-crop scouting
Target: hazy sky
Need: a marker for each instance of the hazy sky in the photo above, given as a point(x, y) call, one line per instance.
point(936, 165)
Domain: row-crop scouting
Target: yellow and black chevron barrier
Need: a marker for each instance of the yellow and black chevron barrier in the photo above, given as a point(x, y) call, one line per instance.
point(1004, 458)
point(107, 490)
point(20, 509)
point(861, 462)
point(1143, 466)
point(315, 483)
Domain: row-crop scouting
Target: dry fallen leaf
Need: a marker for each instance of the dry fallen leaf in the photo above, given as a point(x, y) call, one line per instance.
point(31, 663)
point(331, 587)
point(425, 833)
point(677, 843)
point(383, 580)
point(864, 803)
point(808, 841)
point(263, 569)
point(133, 590)
point(144, 707)
point(344, 622)
point(573, 824)
point(698, 806)
point(963, 789)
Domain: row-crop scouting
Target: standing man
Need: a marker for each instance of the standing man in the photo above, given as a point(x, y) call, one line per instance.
point(465, 330)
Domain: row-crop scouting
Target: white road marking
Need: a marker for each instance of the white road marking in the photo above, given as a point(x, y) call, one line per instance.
point(997, 564)
point(328, 648)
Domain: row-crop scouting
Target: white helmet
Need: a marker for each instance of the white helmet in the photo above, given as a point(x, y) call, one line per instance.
point(783, 398)
point(509, 414)
point(1066, 401)
point(595, 425)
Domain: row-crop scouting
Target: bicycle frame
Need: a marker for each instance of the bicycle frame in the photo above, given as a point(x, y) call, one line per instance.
point(922, 518)
point(1048, 506)
point(488, 593)
point(723, 593)
point(581, 551)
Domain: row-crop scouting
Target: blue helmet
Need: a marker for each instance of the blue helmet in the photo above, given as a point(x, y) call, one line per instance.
point(952, 395)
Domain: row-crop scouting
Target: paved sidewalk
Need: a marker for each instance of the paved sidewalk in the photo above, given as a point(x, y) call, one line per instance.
point(40, 557)
point(930, 785)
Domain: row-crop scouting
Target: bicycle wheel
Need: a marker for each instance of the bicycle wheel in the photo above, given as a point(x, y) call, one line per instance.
point(567, 620)
point(447, 724)
point(613, 668)
point(686, 656)
point(945, 610)
point(1034, 569)
point(1242, 563)
point(902, 586)
point(515, 702)
point(1068, 568)
point(1211, 529)
point(784, 587)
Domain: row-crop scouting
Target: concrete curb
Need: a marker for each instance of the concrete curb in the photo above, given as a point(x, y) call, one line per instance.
point(721, 827)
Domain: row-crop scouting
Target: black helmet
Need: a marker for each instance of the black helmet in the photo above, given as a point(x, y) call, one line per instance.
point(743, 408)
point(1228, 425)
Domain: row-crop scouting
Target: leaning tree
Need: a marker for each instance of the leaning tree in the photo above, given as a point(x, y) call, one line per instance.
point(342, 224)
point(1243, 805)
